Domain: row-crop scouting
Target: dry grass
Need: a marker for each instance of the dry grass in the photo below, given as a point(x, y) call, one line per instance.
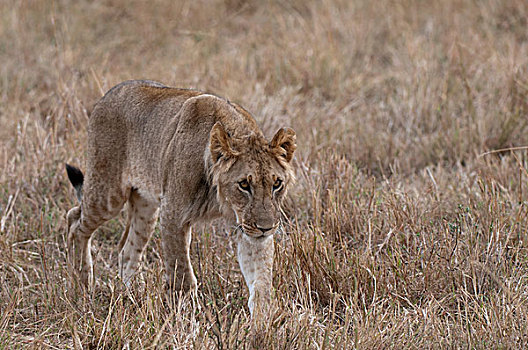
point(401, 234)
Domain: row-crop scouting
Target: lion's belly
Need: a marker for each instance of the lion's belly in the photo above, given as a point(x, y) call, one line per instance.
point(145, 179)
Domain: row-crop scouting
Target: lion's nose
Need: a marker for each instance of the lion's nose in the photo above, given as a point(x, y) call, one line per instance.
point(264, 229)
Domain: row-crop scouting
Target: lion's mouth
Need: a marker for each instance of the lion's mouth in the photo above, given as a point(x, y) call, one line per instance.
point(255, 233)
point(263, 235)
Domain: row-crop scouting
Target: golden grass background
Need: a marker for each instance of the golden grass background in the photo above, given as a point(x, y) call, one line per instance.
point(401, 233)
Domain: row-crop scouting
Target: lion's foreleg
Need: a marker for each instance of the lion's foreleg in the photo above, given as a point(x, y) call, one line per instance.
point(255, 257)
point(176, 243)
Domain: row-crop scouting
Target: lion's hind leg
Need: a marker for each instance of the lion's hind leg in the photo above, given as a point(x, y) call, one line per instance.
point(142, 216)
point(100, 202)
point(81, 226)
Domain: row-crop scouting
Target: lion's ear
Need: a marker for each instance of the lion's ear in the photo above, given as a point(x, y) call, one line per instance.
point(219, 143)
point(283, 143)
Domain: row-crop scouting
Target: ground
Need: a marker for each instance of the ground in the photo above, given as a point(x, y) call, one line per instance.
point(403, 230)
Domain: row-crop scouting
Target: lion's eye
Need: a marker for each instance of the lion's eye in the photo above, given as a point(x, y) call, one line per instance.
point(244, 185)
point(277, 185)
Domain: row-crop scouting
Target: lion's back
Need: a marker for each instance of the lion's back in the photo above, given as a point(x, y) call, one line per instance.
point(140, 98)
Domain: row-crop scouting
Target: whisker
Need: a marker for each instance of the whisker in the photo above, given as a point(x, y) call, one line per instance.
point(280, 228)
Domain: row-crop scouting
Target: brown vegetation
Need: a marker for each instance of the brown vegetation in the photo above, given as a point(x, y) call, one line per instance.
point(401, 232)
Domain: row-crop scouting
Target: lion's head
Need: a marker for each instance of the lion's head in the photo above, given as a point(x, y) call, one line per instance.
point(252, 177)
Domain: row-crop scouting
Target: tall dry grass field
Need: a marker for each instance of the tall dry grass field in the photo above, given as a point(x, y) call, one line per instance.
point(401, 232)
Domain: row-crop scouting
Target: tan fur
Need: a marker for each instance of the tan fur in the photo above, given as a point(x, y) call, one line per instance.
point(196, 157)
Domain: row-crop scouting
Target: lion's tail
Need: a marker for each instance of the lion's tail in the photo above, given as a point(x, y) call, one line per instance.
point(76, 178)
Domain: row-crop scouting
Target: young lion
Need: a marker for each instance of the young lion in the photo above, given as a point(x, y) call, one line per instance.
point(193, 156)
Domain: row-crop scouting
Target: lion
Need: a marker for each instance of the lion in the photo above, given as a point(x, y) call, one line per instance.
point(187, 157)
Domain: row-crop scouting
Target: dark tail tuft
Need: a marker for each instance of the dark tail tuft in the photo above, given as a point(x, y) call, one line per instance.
point(76, 178)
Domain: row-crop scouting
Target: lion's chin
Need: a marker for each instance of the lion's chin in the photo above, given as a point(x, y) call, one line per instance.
point(256, 239)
